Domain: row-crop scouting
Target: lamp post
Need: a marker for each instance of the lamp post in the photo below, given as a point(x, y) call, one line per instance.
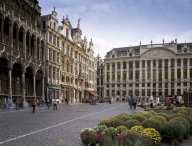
point(188, 98)
point(17, 102)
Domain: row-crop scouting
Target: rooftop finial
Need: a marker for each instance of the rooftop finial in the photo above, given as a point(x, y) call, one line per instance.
point(63, 17)
point(185, 41)
point(151, 42)
point(67, 16)
point(78, 25)
point(140, 42)
point(54, 8)
point(163, 41)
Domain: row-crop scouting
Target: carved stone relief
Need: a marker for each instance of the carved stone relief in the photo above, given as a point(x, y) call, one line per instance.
point(157, 54)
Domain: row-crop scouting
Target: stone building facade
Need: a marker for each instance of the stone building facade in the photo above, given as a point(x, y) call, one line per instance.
point(22, 47)
point(70, 64)
point(100, 77)
point(144, 70)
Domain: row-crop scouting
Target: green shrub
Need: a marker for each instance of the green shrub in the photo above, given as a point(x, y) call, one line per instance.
point(151, 123)
point(137, 128)
point(111, 131)
point(160, 118)
point(164, 115)
point(124, 117)
point(174, 129)
point(98, 129)
point(120, 129)
point(131, 123)
point(152, 134)
point(105, 122)
point(139, 117)
point(145, 114)
point(189, 119)
point(115, 122)
point(87, 136)
point(183, 121)
point(175, 115)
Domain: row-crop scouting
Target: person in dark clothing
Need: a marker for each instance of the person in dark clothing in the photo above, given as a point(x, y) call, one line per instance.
point(130, 102)
point(34, 103)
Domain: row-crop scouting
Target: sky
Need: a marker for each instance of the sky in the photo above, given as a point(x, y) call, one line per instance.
point(122, 23)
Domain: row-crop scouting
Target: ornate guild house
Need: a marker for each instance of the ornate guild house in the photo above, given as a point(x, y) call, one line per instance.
point(144, 70)
point(22, 46)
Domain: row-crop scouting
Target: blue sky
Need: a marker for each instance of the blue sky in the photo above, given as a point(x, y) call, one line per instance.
point(121, 23)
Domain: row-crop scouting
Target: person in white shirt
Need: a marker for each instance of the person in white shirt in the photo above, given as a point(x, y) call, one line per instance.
point(55, 103)
point(151, 101)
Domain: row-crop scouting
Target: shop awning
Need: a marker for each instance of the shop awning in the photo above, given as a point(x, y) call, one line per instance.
point(94, 94)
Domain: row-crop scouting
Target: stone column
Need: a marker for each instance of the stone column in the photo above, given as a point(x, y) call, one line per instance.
point(24, 43)
point(133, 79)
point(11, 34)
point(35, 48)
point(163, 74)
point(146, 79)
point(175, 81)
point(10, 82)
point(121, 72)
point(34, 82)
point(17, 39)
point(151, 84)
point(43, 95)
point(2, 30)
point(127, 80)
point(188, 73)
point(140, 78)
point(181, 76)
point(169, 76)
point(25, 104)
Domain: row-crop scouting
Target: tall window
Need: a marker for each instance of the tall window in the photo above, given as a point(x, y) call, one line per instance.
point(50, 54)
point(154, 74)
point(50, 37)
point(67, 66)
point(62, 63)
point(154, 63)
point(178, 62)
point(53, 72)
point(148, 74)
point(136, 64)
point(67, 32)
point(148, 63)
point(124, 65)
point(67, 49)
point(54, 39)
point(57, 57)
point(58, 75)
point(179, 73)
point(50, 71)
point(71, 69)
point(130, 75)
point(143, 63)
point(57, 41)
point(185, 73)
point(62, 46)
point(108, 66)
point(53, 56)
point(118, 65)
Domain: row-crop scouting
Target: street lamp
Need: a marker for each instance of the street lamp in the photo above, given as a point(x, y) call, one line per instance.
point(17, 101)
point(188, 98)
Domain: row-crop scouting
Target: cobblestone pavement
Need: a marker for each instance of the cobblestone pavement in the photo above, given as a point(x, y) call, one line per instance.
point(50, 127)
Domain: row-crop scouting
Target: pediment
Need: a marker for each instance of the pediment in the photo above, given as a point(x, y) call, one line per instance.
point(158, 54)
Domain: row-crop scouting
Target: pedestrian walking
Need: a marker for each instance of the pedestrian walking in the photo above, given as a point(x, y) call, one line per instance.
point(55, 103)
point(34, 103)
point(130, 102)
point(9, 102)
point(134, 102)
point(47, 102)
point(151, 101)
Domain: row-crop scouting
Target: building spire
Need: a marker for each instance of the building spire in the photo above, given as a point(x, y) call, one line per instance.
point(78, 25)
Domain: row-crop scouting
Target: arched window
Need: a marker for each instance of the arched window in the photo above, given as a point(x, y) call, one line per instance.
point(71, 69)
point(67, 66)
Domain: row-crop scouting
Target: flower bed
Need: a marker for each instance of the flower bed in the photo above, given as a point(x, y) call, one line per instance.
point(144, 128)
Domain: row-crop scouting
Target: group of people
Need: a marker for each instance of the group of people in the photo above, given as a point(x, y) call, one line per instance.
point(34, 103)
point(6, 102)
point(132, 102)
